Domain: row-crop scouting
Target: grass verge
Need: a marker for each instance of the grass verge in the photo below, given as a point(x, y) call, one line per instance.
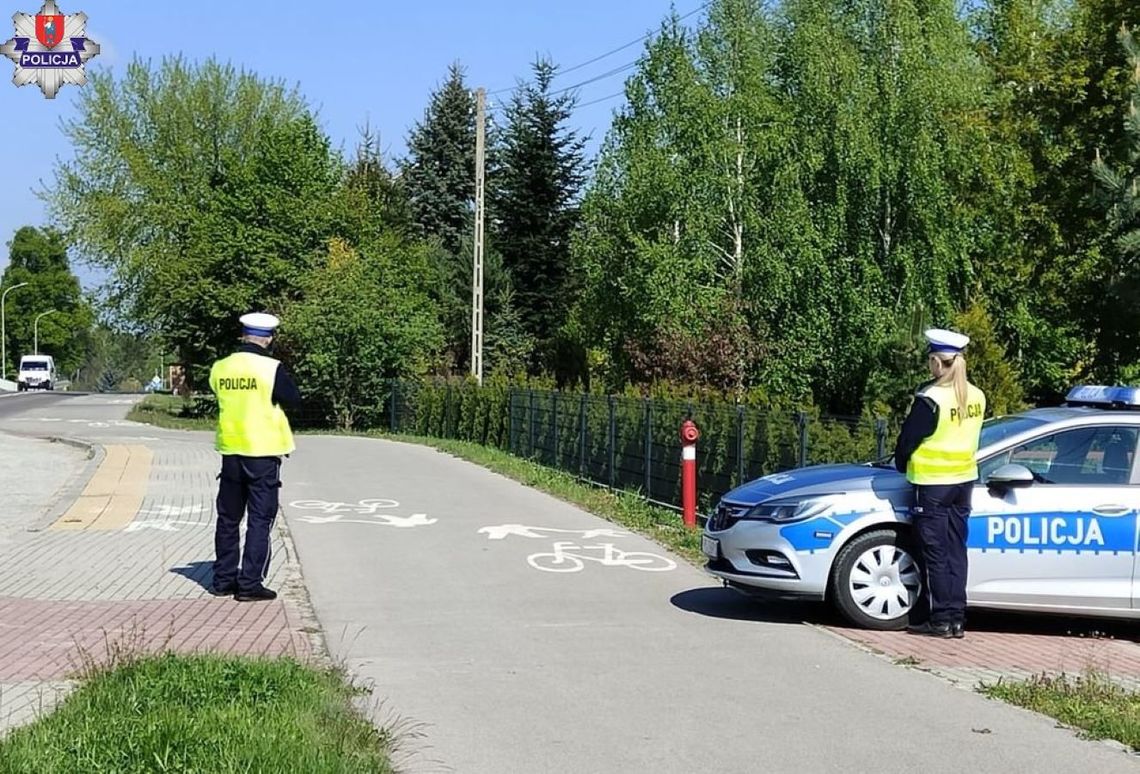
point(166, 411)
point(174, 713)
point(1091, 702)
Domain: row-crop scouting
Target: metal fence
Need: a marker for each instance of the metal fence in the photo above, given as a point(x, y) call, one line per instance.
point(634, 443)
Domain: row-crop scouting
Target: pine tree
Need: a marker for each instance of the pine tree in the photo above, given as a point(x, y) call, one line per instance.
point(534, 195)
point(439, 173)
point(372, 187)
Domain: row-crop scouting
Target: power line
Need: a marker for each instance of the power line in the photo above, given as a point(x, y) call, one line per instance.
point(602, 99)
point(603, 76)
point(646, 36)
point(496, 108)
point(611, 52)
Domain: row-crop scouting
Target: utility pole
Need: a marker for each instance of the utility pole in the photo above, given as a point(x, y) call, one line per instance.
point(477, 279)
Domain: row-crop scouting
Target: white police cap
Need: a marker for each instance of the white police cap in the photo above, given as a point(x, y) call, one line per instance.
point(259, 324)
point(941, 340)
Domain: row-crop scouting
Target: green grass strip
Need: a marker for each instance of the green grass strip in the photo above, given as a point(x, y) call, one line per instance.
point(166, 411)
point(203, 713)
point(1092, 703)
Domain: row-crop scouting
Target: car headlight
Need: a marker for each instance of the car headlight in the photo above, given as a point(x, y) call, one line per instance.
point(787, 511)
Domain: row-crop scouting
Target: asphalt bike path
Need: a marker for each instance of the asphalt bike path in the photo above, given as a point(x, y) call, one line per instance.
point(521, 634)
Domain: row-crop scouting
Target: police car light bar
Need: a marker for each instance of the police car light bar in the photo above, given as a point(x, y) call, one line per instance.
point(1100, 395)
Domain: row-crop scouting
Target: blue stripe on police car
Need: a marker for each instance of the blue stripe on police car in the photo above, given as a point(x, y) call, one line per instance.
point(1075, 531)
point(818, 533)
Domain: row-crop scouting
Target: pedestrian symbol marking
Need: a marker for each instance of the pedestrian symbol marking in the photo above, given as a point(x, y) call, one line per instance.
point(504, 530)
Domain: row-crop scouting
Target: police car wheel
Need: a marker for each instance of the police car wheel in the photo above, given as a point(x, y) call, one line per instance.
point(876, 581)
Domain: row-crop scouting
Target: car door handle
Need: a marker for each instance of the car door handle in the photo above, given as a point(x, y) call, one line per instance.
point(1111, 509)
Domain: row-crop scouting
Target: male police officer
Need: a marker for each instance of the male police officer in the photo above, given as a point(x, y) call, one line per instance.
point(936, 449)
point(253, 434)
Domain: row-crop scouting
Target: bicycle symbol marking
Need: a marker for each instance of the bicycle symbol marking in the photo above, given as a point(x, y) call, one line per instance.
point(337, 512)
point(568, 556)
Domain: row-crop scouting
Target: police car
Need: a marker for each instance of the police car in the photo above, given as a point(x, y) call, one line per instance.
point(1054, 525)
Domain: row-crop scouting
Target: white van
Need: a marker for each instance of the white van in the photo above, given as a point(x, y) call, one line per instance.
point(37, 372)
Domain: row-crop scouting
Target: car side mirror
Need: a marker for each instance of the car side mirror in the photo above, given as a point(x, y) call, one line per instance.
point(1011, 476)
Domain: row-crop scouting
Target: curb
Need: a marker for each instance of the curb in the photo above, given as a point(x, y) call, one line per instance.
point(67, 494)
point(70, 491)
point(309, 626)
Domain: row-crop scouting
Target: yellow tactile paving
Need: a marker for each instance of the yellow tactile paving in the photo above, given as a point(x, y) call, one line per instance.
point(114, 494)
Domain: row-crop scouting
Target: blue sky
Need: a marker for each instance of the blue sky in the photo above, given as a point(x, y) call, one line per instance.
point(375, 63)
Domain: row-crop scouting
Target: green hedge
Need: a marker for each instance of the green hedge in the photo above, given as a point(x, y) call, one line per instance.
point(632, 441)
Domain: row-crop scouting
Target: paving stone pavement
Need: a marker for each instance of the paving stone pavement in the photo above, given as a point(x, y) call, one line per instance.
point(1015, 648)
point(74, 593)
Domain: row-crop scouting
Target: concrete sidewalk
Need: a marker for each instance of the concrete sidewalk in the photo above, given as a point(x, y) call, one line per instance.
point(113, 548)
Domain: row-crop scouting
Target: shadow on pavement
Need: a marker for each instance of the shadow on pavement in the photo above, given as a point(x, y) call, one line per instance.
point(733, 605)
point(201, 573)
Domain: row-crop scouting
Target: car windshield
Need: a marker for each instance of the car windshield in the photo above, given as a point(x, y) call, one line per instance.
point(994, 430)
point(34, 365)
point(997, 429)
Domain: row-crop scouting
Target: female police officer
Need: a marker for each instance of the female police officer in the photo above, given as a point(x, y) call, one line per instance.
point(936, 449)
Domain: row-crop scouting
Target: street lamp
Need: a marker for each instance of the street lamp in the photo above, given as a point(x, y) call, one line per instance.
point(4, 332)
point(36, 328)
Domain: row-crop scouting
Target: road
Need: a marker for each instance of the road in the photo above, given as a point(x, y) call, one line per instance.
point(17, 403)
point(432, 581)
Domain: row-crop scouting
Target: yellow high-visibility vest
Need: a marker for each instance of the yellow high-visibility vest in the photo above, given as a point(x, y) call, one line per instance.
point(947, 456)
point(249, 423)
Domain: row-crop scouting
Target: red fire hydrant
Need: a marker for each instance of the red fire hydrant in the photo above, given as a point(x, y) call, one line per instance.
point(689, 436)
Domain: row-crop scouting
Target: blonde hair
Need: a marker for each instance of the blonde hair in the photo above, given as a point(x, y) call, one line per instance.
point(955, 375)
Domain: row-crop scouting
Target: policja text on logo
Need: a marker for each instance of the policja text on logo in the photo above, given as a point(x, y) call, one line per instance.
point(34, 51)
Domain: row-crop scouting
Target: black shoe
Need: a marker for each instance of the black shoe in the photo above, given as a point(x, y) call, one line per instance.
point(928, 629)
point(957, 630)
point(228, 590)
point(259, 594)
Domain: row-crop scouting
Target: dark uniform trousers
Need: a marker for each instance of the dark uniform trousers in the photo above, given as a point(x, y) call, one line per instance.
point(941, 517)
point(247, 484)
